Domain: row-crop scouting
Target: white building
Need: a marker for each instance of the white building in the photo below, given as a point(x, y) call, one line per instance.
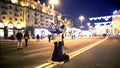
point(102, 28)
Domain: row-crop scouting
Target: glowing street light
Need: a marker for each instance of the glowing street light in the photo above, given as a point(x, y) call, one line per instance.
point(81, 18)
point(53, 3)
point(14, 1)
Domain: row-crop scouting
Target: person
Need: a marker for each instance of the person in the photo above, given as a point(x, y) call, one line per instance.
point(26, 37)
point(19, 37)
point(38, 38)
point(63, 39)
point(58, 44)
point(57, 53)
point(49, 37)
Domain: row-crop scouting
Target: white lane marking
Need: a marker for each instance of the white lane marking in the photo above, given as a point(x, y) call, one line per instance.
point(36, 50)
point(72, 54)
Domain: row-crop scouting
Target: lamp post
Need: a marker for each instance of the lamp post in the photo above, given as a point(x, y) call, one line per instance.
point(81, 18)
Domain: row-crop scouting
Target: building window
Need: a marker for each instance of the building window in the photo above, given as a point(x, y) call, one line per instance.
point(20, 9)
point(16, 15)
point(42, 24)
point(20, 19)
point(28, 16)
point(10, 18)
point(46, 21)
point(15, 19)
point(10, 12)
point(4, 6)
point(4, 17)
point(51, 18)
point(35, 13)
point(36, 23)
point(20, 14)
point(16, 9)
point(42, 20)
point(47, 17)
point(10, 7)
point(4, 12)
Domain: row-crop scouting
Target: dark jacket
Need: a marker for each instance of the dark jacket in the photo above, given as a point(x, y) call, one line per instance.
point(19, 36)
point(26, 36)
point(38, 37)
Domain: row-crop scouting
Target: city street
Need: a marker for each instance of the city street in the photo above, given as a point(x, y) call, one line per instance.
point(59, 34)
point(104, 55)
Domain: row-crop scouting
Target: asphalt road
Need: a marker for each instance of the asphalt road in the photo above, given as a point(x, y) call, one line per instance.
point(104, 55)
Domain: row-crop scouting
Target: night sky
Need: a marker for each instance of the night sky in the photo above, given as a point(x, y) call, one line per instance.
point(87, 8)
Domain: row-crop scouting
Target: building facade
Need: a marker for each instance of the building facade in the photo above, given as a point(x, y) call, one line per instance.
point(26, 15)
point(116, 23)
point(102, 28)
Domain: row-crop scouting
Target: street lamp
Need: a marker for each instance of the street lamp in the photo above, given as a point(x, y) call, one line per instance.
point(14, 1)
point(81, 18)
point(53, 3)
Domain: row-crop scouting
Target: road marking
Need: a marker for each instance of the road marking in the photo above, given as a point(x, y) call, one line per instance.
point(75, 53)
point(72, 55)
point(36, 50)
point(43, 65)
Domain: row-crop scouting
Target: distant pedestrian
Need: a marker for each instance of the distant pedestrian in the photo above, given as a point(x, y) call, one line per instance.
point(26, 37)
point(38, 38)
point(63, 39)
point(49, 37)
point(19, 37)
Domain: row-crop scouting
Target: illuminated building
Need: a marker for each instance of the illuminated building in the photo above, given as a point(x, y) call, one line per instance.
point(26, 15)
point(116, 22)
point(102, 28)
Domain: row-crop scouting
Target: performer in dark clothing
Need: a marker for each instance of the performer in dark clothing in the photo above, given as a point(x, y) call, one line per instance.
point(58, 43)
point(57, 53)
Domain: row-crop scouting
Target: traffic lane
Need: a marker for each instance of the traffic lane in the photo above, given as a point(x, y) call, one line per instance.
point(104, 55)
point(74, 45)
